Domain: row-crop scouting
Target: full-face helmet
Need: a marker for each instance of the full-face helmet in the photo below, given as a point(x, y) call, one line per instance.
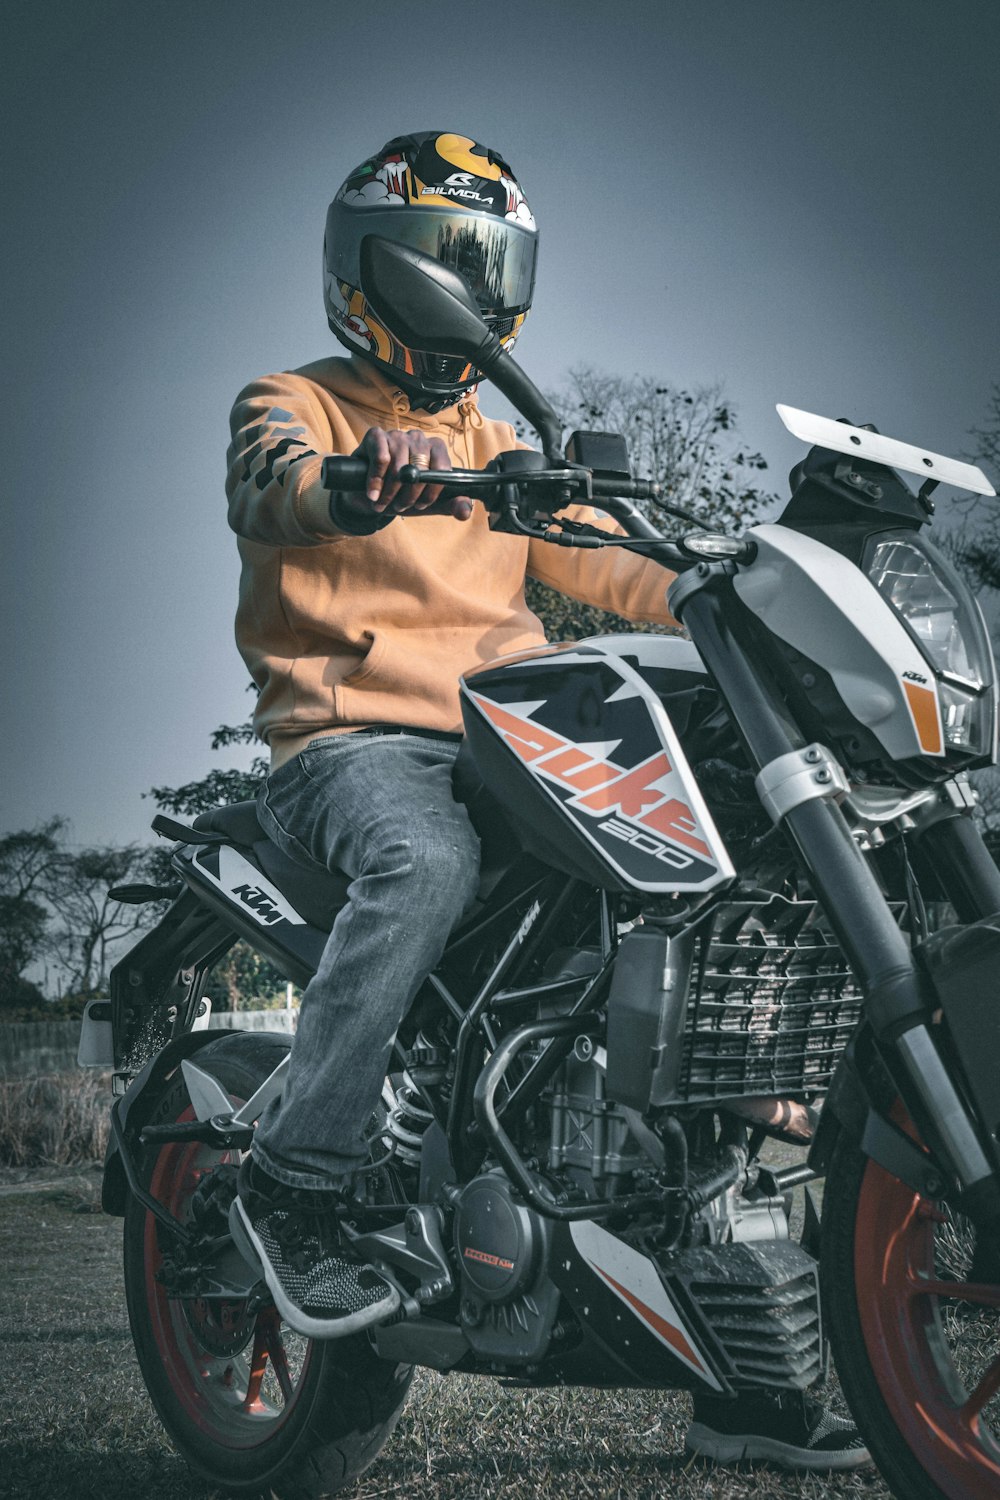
point(456, 200)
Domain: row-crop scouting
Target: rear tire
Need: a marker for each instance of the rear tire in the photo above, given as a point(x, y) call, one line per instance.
point(322, 1411)
point(910, 1343)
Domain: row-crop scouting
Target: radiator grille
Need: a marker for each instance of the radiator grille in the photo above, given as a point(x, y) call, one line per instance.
point(771, 1006)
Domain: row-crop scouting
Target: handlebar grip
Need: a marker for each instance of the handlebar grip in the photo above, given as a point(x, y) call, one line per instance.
point(626, 489)
point(340, 474)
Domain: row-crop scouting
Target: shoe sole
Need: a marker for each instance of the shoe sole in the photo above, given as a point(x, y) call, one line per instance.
point(252, 1250)
point(752, 1447)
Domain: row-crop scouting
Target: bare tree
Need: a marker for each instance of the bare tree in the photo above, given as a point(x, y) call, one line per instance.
point(89, 923)
point(29, 858)
point(685, 439)
point(974, 546)
point(29, 862)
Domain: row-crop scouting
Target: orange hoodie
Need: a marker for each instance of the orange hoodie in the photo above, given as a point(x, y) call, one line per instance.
point(344, 631)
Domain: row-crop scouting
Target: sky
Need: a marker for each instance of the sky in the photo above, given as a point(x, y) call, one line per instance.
point(796, 198)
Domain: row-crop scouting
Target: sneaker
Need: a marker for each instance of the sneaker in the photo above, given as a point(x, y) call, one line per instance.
point(788, 1428)
point(317, 1288)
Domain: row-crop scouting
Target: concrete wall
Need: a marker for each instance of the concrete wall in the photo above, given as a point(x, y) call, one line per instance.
point(31, 1048)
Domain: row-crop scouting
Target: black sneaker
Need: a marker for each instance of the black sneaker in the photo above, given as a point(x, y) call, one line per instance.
point(317, 1288)
point(787, 1428)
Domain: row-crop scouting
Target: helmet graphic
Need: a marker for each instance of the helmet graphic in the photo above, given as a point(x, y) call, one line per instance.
point(456, 200)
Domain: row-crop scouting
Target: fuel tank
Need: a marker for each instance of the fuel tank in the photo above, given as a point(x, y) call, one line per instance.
point(575, 742)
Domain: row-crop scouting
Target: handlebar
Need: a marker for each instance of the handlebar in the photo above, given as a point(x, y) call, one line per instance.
point(543, 492)
point(351, 474)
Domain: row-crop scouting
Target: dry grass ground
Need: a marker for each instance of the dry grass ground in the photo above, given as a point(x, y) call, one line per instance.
point(53, 1121)
point(77, 1422)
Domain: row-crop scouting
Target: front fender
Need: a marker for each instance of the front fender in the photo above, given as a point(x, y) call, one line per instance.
point(859, 1102)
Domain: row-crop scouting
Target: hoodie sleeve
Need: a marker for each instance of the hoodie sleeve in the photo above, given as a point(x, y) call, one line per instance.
point(280, 435)
point(612, 578)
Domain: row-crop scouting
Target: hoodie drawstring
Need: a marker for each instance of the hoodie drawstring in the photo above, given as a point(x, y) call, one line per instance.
point(400, 404)
point(470, 416)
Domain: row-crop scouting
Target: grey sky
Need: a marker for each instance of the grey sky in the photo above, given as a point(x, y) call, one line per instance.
point(796, 197)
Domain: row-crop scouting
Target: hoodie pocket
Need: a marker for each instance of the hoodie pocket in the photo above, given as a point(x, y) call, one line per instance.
point(371, 660)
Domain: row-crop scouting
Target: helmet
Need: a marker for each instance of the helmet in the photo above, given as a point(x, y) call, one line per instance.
point(456, 200)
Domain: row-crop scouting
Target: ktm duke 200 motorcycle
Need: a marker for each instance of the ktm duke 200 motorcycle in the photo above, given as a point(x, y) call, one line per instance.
point(711, 872)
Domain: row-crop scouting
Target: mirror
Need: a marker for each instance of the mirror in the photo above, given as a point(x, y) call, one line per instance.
point(430, 306)
point(425, 304)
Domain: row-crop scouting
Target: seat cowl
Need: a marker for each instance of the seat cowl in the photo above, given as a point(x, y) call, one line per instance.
point(317, 894)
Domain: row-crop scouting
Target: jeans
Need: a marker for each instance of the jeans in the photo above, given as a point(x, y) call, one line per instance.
point(380, 809)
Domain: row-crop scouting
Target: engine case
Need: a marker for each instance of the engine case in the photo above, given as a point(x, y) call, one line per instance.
point(509, 1304)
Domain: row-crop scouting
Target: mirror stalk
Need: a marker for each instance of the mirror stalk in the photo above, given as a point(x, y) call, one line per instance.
point(493, 362)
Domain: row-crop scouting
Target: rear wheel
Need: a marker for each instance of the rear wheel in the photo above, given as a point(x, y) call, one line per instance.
point(249, 1403)
point(913, 1306)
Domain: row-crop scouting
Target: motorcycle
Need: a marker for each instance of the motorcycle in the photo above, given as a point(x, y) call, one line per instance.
point(730, 868)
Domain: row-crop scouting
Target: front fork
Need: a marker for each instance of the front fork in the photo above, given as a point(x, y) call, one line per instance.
point(953, 846)
point(796, 783)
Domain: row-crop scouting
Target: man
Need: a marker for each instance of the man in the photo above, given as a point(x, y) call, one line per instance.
point(357, 616)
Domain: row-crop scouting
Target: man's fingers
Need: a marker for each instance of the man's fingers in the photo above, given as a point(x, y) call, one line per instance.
point(375, 447)
point(387, 452)
point(421, 495)
point(399, 454)
point(438, 458)
point(417, 451)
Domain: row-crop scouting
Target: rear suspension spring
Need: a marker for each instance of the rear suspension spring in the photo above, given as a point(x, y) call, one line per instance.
point(407, 1120)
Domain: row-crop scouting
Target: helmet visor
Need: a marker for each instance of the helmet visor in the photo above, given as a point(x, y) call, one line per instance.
point(497, 258)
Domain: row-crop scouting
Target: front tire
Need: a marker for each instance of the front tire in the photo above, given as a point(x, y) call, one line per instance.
point(250, 1404)
point(915, 1329)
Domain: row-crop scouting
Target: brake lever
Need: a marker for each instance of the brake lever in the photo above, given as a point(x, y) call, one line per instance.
point(618, 496)
point(481, 483)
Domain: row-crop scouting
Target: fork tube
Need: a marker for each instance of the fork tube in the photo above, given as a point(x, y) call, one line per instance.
point(955, 848)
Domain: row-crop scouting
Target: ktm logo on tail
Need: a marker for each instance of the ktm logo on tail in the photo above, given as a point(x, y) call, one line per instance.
point(259, 903)
point(601, 788)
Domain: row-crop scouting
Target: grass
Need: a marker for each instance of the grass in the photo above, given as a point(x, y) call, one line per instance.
point(56, 1121)
point(77, 1421)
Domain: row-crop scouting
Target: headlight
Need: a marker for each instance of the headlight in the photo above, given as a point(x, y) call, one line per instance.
point(905, 576)
point(944, 619)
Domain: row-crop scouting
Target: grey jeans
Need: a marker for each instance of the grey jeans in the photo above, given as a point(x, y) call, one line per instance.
point(381, 809)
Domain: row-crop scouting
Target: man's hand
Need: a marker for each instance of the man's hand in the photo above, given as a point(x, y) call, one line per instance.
point(387, 452)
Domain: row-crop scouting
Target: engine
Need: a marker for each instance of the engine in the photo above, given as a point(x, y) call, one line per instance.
point(509, 1305)
point(585, 1140)
point(590, 1140)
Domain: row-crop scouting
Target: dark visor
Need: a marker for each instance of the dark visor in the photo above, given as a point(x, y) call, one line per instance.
point(496, 258)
